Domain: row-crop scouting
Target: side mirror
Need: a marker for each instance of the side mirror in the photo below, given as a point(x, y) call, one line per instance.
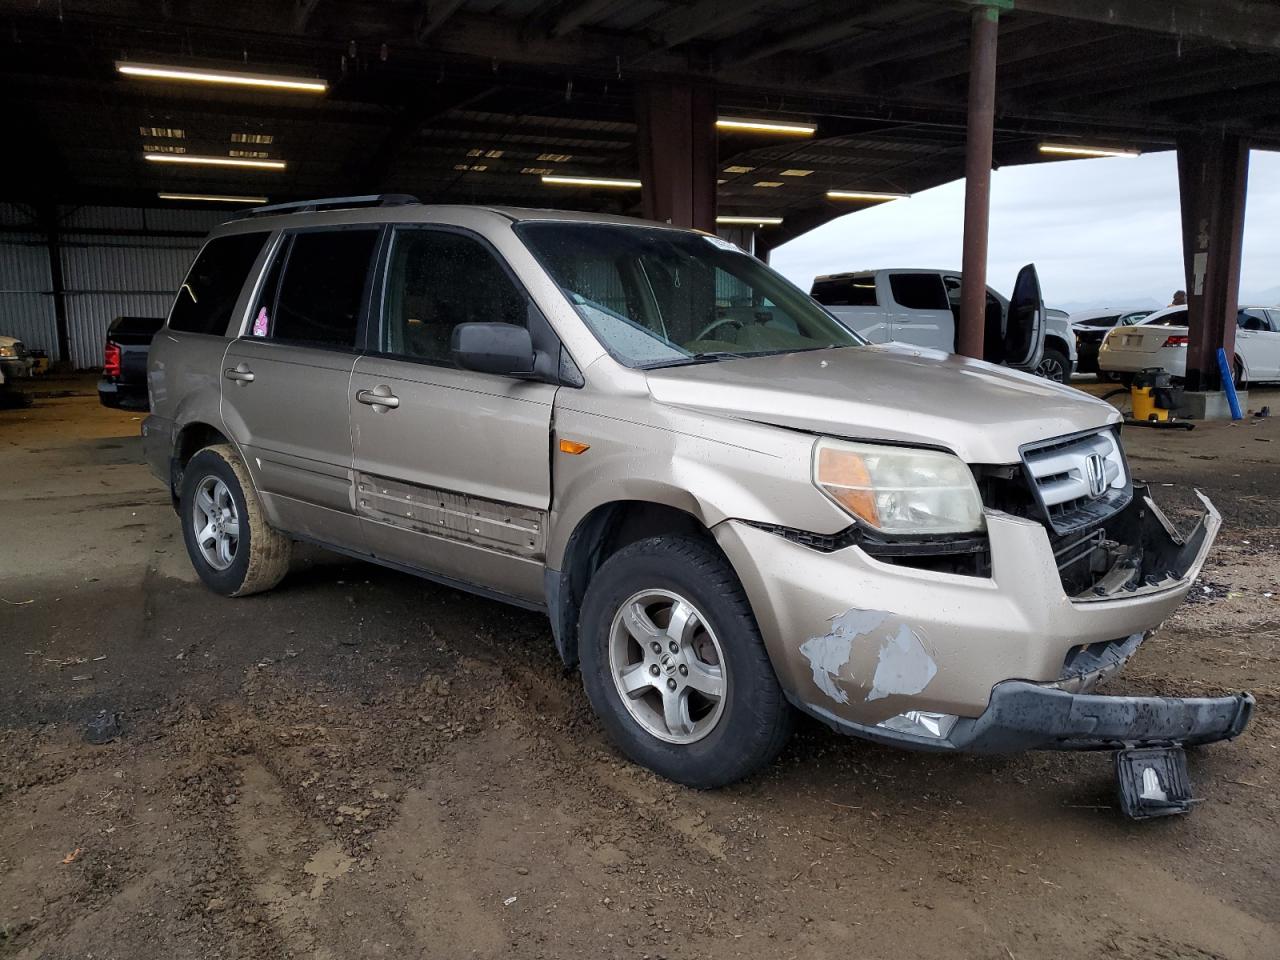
point(503, 348)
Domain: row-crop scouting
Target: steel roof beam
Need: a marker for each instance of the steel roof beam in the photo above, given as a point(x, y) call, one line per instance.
point(434, 15)
point(1242, 23)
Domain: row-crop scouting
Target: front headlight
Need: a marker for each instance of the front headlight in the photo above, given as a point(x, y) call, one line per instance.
point(898, 490)
point(8, 351)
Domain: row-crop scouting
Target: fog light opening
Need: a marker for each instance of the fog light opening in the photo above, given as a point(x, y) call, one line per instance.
point(921, 723)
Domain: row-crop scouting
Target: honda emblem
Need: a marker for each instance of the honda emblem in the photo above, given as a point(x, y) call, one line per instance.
point(1095, 472)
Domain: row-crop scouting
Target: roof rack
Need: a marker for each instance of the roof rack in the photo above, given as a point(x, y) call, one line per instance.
point(328, 203)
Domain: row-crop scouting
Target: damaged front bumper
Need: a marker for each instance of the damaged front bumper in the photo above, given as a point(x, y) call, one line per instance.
point(1027, 716)
point(945, 661)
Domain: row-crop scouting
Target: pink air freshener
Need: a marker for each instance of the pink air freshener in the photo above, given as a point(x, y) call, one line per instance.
point(260, 323)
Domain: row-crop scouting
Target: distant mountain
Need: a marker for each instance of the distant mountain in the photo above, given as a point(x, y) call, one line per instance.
point(1118, 303)
point(1263, 298)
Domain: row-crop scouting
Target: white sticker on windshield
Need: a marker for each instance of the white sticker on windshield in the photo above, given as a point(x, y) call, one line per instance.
point(721, 243)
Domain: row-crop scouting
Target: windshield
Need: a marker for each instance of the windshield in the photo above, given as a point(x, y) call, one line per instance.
point(656, 296)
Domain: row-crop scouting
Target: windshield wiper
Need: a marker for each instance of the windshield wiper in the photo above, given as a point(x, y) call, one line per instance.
point(715, 356)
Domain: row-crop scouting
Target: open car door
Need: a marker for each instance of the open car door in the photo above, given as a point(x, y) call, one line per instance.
point(1016, 339)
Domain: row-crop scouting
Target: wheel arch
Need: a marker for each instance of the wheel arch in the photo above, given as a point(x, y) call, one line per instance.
point(188, 440)
point(598, 535)
point(1240, 367)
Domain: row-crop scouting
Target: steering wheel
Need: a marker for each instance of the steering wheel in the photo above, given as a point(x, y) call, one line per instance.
point(716, 325)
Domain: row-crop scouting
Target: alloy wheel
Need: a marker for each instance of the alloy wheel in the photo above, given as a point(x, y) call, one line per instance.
point(668, 666)
point(1051, 369)
point(216, 523)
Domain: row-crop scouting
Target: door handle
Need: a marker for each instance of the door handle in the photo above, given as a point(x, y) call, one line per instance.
point(375, 399)
point(239, 373)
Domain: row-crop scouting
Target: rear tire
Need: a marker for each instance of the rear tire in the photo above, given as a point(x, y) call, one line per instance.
point(705, 707)
point(232, 547)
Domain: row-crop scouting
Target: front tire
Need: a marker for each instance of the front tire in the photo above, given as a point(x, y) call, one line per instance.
point(674, 666)
point(232, 547)
point(1054, 365)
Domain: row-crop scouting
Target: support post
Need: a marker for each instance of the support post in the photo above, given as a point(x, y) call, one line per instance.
point(677, 139)
point(983, 31)
point(1213, 175)
point(49, 224)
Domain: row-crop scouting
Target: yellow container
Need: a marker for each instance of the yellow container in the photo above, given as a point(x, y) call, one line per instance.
point(1144, 404)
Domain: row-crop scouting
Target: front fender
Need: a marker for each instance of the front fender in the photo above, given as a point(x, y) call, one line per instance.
point(711, 468)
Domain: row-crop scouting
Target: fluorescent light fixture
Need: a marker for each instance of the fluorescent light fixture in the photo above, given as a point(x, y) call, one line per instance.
point(210, 198)
point(592, 182)
point(766, 126)
point(767, 183)
point(214, 161)
point(871, 195)
point(750, 221)
point(156, 71)
point(1071, 150)
point(794, 172)
point(738, 168)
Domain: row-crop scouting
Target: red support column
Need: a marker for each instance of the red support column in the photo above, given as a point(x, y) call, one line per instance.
point(984, 28)
point(1213, 174)
point(677, 140)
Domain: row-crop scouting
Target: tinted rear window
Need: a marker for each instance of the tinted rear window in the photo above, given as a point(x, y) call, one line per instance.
point(845, 291)
point(322, 291)
point(208, 296)
point(919, 291)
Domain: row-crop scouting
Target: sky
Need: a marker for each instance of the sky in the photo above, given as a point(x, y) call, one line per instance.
point(1101, 232)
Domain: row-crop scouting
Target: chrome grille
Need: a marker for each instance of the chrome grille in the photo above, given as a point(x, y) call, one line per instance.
point(1061, 469)
point(1079, 480)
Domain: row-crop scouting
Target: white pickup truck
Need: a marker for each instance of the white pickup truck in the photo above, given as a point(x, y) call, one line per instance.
point(920, 306)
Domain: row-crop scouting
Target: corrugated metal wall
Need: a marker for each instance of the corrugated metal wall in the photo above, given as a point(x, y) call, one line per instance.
point(111, 267)
point(26, 301)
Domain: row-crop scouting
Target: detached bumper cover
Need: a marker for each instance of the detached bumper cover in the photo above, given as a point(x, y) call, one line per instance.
point(1026, 716)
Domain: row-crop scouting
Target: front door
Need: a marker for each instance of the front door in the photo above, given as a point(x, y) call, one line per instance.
point(453, 468)
point(286, 381)
point(1017, 339)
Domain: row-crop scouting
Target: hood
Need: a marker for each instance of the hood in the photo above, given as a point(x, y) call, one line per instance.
point(981, 412)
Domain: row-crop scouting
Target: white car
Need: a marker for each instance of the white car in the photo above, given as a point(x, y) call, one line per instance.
point(1161, 340)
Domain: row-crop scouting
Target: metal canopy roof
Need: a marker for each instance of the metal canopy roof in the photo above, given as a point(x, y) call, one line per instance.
point(473, 100)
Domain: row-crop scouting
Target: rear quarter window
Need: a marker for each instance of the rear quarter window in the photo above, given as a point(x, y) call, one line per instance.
point(845, 292)
point(209, 294)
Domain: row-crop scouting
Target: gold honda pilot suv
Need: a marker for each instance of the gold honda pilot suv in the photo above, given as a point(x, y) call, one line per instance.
point(729, 506)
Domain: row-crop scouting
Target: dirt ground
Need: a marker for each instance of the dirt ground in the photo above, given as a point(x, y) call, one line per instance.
point(361, 764)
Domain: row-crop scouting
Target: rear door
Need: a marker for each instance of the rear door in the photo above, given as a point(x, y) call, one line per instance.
point(1018, 339)
point(920, 312)
point(453, 467)
point(285, 381)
